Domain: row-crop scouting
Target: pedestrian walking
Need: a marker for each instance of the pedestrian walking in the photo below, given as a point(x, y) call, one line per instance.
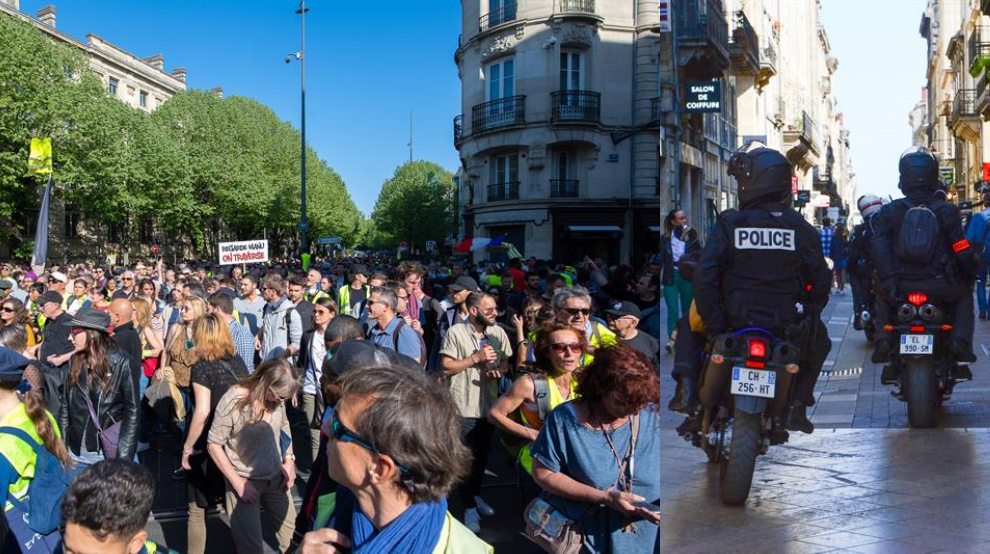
point(678, 240)
point(251, 443)
point(839, 253)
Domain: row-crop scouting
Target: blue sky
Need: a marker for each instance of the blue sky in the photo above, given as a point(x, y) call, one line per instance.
point(881, 75)
point(368, 65)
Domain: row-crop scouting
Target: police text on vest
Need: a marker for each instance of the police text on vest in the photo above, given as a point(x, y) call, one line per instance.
point(764, 239)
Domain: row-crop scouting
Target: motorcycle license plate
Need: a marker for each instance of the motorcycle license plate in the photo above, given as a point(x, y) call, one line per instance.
point(754, 382)
point(917, 344)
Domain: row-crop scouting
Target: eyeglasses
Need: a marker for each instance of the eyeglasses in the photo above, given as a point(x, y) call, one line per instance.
point(344, 434)
point(577, 311)
point(127, 278)
point(560, 347)
point(322, 311)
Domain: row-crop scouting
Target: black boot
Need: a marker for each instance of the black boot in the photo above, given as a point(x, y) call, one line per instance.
point(683, 399)
point(882, 353)
point(889, 376)
point(797, 419)
point(962, 373)
point(857, 322)
point(962, 351)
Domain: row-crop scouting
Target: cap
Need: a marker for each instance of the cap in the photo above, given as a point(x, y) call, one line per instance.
point(624, 308)
point(91, 319)
point(358, 354)
point(59, 276)
point(50, 296)
point(12, 365)
point(464, 283)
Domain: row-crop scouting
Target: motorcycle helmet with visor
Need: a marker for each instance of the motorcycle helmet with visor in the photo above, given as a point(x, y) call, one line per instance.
point(763, 175)
point(918, 171)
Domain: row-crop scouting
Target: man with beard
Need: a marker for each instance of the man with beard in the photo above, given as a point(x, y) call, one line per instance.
point(474, 356)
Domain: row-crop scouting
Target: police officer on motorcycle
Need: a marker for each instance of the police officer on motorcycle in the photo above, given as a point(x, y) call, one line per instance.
point(946, 275)
point(763, 266)
point(860, 261)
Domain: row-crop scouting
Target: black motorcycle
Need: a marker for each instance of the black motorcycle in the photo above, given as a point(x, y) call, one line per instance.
point(744, 392)
point(922, 365)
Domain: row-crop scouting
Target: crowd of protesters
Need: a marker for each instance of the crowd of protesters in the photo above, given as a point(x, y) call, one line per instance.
point(382, 387)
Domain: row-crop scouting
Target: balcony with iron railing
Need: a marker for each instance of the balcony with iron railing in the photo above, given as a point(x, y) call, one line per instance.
point(496, 114)
point(575, 106)
point(768, 62)
point(701, 28)
point(498, 192)
point(564, 188)
point(458, 128)
point(963, 106)
point(744, 46)
point(497, 17)
point(979, 49)
point(577, 7)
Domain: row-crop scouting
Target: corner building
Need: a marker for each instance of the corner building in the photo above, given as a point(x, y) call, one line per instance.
point(557, 137)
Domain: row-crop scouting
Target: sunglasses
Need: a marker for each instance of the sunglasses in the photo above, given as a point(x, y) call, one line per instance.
point(7, 309)
point(578, 311)
point(127, 278)
point(560, 347)
point(344, 434)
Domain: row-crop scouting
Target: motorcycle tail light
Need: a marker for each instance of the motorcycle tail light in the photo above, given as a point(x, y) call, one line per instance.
point(917, 328)
point(888, 328)
point(917, 298)
point(757, 348)
point(755, 364)
point(946, 327)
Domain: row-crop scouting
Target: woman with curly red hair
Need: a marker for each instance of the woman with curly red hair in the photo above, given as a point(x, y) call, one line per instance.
point(597, 458)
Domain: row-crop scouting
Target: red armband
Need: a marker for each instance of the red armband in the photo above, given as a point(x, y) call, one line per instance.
point(959, 246)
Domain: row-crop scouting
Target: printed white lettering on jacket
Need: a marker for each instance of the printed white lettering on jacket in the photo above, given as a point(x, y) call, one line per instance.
point(764, 239)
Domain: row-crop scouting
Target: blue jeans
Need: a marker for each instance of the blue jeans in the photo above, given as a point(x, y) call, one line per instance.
point(982, 270)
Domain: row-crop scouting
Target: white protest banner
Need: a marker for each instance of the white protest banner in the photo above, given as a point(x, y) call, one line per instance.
point(243, 252)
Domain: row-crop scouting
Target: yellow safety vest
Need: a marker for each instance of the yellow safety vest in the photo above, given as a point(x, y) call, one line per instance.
point(455, 538)
point(18, 453)
point(525, 453)
point(344, 294)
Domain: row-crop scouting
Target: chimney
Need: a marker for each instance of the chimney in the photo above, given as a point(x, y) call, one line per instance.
point(46, 15)
point(156, 61)
point(180, 74)
point(217, 91)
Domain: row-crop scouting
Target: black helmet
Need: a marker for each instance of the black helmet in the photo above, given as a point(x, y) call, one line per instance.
point(919, 171)
point(763, 174)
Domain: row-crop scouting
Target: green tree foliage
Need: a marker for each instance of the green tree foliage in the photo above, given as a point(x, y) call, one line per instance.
point(415, 205)
point(201, 168)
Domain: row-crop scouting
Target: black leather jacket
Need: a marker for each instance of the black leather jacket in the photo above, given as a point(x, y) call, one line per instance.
point(117, 402)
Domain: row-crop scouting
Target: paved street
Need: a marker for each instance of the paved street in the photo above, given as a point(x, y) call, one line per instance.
point(863, 482)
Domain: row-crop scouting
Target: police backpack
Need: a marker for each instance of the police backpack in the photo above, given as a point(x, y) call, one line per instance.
point(919, 236)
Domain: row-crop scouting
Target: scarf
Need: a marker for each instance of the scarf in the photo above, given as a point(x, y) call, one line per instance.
point(416, 531)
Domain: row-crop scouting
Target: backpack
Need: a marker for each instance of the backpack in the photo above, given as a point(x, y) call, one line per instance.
point(919, 236)
point(40, 508)
point(541, 390)
point(395, 338)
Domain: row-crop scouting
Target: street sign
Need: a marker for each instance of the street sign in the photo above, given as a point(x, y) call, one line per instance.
point(794, 184)
point(248, 251)
point(328, 240)
point(703, 96)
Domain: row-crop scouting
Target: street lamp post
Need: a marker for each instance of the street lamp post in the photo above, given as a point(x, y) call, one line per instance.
point(301, 56)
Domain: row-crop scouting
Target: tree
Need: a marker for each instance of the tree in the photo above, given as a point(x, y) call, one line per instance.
point(414, 205)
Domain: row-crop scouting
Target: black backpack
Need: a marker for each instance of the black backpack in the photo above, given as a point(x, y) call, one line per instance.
point(919, 236)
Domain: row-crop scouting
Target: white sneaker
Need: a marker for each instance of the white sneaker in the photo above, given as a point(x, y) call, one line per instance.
point(472, 520)
point(484, 508)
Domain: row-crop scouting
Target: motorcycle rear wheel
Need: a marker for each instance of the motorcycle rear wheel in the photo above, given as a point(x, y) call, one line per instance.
point(919, 385)
point(736, 472)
